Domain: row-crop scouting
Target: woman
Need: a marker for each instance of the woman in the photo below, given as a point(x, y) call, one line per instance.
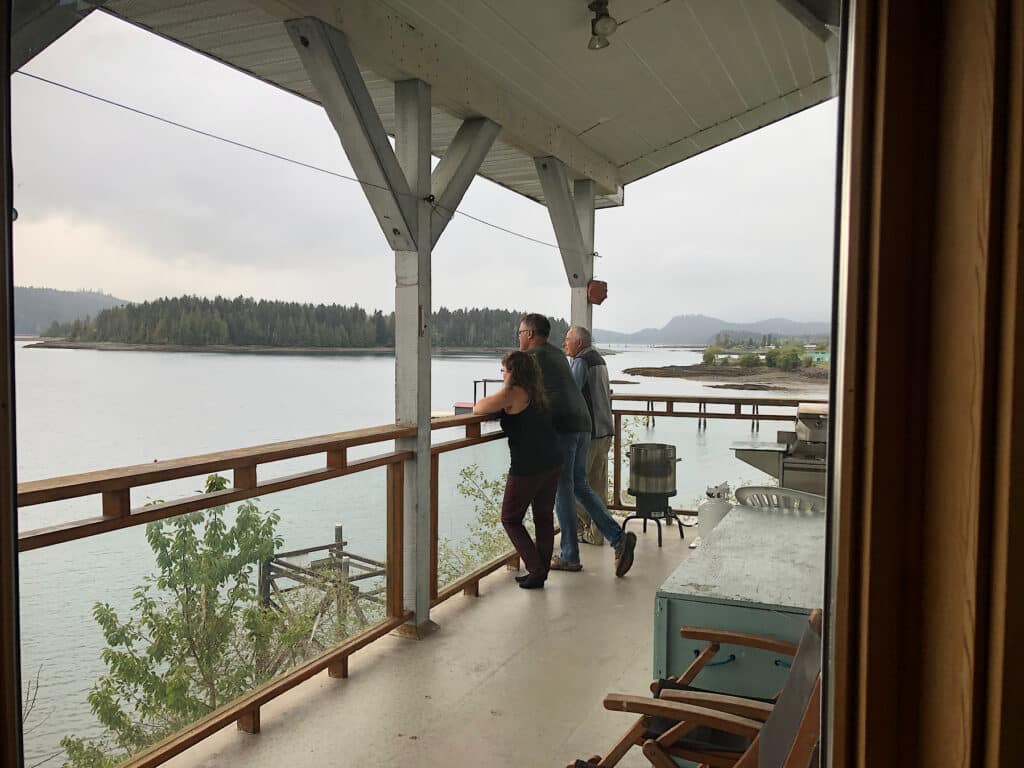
point(536, 463)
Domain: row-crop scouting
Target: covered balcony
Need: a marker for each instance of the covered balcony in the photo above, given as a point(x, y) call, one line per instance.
point(494, 662)
point(461, 668)
point(490, 686)
point(523, 100)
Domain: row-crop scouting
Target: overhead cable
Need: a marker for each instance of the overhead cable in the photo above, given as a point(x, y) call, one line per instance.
point(276, 156)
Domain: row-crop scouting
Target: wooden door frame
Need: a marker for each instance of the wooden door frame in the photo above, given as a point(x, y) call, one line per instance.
point(930, 364)
point(10, 682)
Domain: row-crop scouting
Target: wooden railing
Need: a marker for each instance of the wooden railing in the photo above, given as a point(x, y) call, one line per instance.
point(114, 487)
point(468, 583)
point(676, 406)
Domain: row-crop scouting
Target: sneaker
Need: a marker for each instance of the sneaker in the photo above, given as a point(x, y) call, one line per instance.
point(688, 520)
point(695, 543)
point(558, 564)
point(624, 554)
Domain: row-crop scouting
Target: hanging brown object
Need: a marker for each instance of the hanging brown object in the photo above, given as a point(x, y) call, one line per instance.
point(597, 291)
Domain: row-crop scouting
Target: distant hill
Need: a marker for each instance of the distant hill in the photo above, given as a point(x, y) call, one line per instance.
point(700, 329)
point(36, 308)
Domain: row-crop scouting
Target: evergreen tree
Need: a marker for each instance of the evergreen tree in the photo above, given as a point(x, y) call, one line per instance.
point(195, 321)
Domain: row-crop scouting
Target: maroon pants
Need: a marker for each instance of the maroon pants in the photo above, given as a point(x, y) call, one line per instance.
point(520, 492)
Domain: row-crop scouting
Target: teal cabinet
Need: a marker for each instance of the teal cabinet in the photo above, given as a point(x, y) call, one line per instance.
point(759, 572)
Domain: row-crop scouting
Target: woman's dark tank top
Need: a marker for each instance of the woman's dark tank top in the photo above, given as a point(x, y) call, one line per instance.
point(532, 441)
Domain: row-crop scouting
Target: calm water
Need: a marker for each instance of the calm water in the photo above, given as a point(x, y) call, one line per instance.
point(80, 410)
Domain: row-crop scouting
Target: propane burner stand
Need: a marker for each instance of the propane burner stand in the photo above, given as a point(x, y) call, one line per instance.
point(652, 480)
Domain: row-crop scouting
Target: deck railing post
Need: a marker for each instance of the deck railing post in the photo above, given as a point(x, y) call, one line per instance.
point(435, 466)
point(245, 477)
point(249, 721)
point(117, 503)
point(617, 469)
point(394, 559)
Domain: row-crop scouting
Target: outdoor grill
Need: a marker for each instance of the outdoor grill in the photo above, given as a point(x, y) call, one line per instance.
point(797, 458)
point(652, 481)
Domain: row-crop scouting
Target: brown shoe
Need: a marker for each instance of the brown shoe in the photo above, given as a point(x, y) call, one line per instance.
point(624, 554)
point(558, 564)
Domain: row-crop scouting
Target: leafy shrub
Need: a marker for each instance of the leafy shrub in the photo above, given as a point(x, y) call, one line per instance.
point(711, 354)
point(750, 360)
point(789, 359)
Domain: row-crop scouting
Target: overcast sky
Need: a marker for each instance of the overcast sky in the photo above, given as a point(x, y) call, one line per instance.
point(115, 201)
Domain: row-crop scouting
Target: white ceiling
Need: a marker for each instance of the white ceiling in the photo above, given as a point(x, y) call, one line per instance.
point(680, 76)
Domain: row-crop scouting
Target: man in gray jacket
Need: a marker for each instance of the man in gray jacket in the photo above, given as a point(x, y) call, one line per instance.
point(591, 375)
point(571, 420)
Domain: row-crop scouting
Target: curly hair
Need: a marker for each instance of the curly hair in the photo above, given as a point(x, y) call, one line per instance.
point(525, 372)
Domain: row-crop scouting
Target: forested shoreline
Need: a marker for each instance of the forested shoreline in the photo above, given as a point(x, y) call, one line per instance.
point(193, 321)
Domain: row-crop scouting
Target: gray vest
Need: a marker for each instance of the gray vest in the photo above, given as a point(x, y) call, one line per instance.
point(597, 393)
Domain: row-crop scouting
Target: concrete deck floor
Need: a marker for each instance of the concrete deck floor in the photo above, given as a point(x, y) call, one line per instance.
point(512, 678)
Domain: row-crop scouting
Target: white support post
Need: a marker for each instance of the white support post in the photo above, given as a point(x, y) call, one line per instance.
point(582, 311)
point(572, 216)
point(412, 345)
point(400, 189)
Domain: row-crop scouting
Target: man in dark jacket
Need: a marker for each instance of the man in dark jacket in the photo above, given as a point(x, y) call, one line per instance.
point(572, 422)
point(591, 375)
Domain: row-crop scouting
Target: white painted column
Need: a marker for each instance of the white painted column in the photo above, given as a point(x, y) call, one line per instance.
point(412, 343)
point(413, 208)
point(582, 311)
point(572, 217)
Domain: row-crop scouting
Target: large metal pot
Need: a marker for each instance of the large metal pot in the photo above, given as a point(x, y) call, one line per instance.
point(652, 468)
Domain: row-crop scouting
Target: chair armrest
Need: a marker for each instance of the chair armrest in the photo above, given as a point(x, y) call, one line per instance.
point(734, 705)
point(725, 637)
point(642, 705)
point(695, 668)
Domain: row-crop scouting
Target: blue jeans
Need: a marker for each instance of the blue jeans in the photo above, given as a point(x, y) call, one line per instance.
point(573, 486)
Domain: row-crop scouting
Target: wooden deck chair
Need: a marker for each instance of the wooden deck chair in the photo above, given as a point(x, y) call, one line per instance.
point(663, 733)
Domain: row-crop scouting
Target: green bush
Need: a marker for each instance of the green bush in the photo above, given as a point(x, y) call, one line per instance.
point(771, 358)
point(198, 634)
point(750, 360)
point(789, 358)
point(711, 354)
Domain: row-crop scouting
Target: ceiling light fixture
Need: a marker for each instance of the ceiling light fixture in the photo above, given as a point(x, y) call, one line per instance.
point(601, 26)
